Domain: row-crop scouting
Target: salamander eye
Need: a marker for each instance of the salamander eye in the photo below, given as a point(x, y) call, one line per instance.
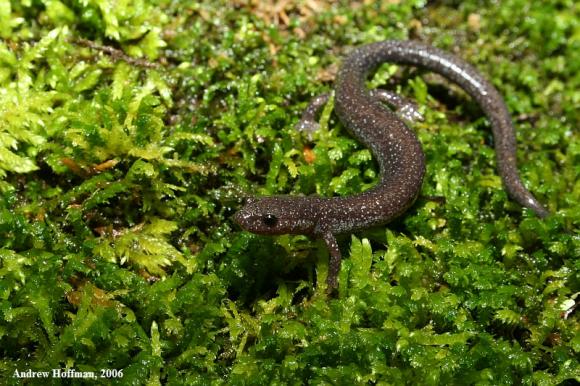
point(270, 220)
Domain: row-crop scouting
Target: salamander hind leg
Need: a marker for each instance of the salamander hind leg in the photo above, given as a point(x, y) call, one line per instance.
point(404, 107)
point(308, 123)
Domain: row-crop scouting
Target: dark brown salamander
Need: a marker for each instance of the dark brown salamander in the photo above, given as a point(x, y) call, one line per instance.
point(394, 145)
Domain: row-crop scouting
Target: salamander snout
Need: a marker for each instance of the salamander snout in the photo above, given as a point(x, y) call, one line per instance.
point(275, 215)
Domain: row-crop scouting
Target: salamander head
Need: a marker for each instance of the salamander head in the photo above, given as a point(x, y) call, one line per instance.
point(277, 215)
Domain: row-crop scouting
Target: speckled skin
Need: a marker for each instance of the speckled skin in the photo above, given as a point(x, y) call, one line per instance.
point(395, 147)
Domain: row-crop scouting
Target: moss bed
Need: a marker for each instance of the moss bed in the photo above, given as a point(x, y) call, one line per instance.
point(130, 131)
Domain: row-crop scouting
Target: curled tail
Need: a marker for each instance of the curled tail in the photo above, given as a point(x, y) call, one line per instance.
point(469, 79)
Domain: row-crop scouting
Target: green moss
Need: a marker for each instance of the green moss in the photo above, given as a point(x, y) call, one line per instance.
point(129, 134)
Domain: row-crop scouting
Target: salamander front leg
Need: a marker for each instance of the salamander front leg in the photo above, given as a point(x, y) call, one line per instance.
point(334, 263)
point(404, 107)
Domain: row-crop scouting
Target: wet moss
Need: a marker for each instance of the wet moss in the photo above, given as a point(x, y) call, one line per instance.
point(130, 133)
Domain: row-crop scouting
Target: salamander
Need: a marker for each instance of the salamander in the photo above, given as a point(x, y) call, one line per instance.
point(395, 147)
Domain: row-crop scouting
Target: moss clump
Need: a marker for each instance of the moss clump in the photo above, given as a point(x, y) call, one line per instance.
point(129, 132)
